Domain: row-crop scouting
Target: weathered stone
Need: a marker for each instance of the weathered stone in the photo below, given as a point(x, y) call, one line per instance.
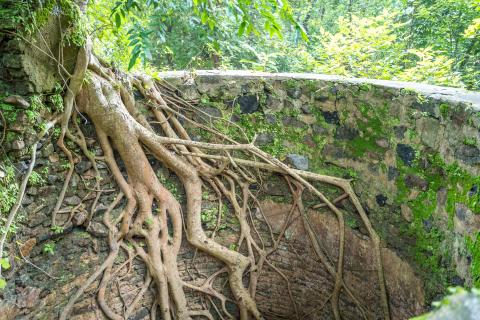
point(381, 200)
point(308, 119)
point(319, 130)
point(414, 181)
point(270, 118)
point(79, 218)
point(82, 166)
point(47, 150)
point(331, 117)
point(294, 93)
point(429, 129)
point(18, 101)
point(28, 297)
point(462, 305)
point(263, 139)
point(97, 229)
point(298, 161)
point(406, 153)
point(208, 114)
point(18, 145)
point(248, 103)
point(473, 191)
point(275, 104)
point(468, 154)
point(383, 143)
point(400, 131)
point(32, 191)
point(293, 122)
point(306, 109)
point(72, 201)
point(346, 133)
point(406, 212)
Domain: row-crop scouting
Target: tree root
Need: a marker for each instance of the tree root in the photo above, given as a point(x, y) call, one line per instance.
point(156, 234)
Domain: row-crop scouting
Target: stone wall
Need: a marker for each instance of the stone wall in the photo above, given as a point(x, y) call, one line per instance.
point(412, 150)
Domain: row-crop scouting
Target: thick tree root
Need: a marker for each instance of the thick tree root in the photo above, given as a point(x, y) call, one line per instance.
point(107, 100)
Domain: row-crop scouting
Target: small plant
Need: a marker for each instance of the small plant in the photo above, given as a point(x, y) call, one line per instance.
point(49, 248)
point(57, 229)
point(36, 179)
point(470, 141)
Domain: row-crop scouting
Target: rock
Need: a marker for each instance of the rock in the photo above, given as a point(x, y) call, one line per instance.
point(82, 166)
point(406, 212)
point(442, 194)
point(427, 224)
point(400, 131)
point(306, 108)
point(468, 154)
point(430, 130)
point(406, 153)
point(32, 191)
point(414, 181)
point(79, 218)
point(294, 93)
point(331, 117)
point(319, 130)
point(392, 173)
point(263, 139)
point(97, 229)
point(27, 247)
point(48, 150)
point(383, 143)
point(293, 122)
point(248, 103)
point(21, 167)
point(17, 127)
point(52, 178)
point(381, 200)
point(275, 104)
point(473, 191)
point(27, 200)
point(18, 101)
point(346, 133)
point(308, 119)
point(462, 305)
point(18, 145)
point(298, 161)
point(209, 114)
point(73, 200)
point(28, 297)
point(270, 118)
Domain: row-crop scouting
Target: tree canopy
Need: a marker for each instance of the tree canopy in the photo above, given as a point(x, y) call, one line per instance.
point(411, 40)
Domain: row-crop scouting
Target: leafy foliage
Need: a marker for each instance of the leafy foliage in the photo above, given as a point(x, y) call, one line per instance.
point(411, 40)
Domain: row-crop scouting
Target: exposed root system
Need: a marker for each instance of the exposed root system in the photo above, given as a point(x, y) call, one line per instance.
point(152, 221)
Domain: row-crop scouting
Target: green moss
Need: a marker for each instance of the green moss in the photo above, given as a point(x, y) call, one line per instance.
point(473, 246)
point(432, 249)
point(372, 127)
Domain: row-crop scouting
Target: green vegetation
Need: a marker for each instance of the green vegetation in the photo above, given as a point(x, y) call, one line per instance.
point(430, 251)
point(387, 39)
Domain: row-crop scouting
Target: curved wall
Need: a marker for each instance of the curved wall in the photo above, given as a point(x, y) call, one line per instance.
point(413, 151)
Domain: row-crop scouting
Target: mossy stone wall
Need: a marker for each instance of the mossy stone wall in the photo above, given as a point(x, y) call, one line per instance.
point(412, 150)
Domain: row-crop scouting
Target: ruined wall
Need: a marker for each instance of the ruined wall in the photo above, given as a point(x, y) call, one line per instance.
point(412, 150)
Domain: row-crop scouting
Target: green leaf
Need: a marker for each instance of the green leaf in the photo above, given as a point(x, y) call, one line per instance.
point(4, 263)
point(3, 283)
point(241, 28)
point(118, 20)
point(133, 59)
